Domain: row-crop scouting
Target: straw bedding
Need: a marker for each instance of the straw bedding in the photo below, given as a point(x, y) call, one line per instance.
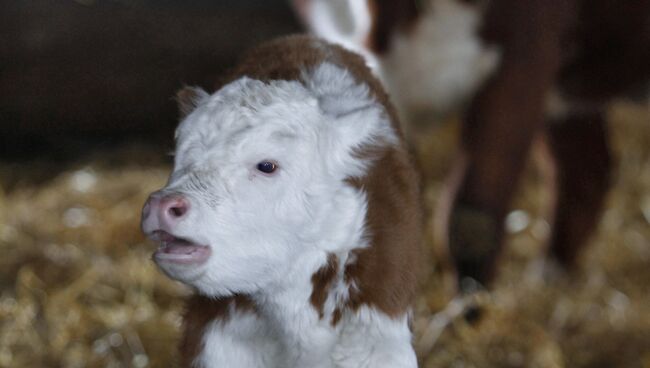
point(77, 287)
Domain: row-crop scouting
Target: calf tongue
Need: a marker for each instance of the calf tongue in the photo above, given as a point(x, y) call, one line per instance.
point(182, 254)
point(185, 248)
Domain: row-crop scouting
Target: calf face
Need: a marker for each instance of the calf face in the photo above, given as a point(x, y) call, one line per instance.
point(259, 179)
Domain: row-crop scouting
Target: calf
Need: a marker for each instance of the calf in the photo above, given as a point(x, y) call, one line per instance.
point(518, 69)
point(293, 210)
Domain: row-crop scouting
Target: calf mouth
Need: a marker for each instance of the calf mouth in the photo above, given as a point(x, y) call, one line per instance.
point(177, 250)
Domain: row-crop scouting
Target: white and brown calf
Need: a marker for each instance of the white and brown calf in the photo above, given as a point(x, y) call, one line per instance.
point(293, 210)
point(518, 69)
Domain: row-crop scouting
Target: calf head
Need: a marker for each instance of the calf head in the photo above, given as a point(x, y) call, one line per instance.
point(260, 179)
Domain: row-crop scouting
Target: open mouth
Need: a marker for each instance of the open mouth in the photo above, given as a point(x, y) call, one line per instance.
point(173, 249)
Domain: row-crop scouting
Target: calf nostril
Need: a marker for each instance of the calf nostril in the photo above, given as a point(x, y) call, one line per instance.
point(172, 209)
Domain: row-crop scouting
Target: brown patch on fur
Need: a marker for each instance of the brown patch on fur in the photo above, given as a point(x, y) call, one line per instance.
point(322, 281)
point(336, 316)
point(384, 273)
point(200, 311)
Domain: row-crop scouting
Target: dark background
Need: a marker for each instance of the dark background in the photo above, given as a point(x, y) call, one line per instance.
point(78, 75)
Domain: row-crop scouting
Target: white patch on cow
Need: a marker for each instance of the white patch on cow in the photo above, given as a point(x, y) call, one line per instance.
point(440, 63)
point(343, 22)
point(370, 339)
point(306, 339)
point(366, 338)
point(241, 339)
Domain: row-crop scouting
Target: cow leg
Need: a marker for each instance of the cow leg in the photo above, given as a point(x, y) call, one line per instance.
point(583, 165)
point(500, 126)
point(494, 155)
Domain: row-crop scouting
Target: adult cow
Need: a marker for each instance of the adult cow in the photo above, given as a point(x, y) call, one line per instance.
point(519, 69)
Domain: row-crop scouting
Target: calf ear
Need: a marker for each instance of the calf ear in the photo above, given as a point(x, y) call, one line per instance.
point(188, 98)
point(344, 99)
point(356, 117)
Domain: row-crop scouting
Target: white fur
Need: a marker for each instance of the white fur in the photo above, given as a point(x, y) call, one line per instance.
point(369, 339)
point(269, 234)
point(440, 64)
point(363, 339)
point(343, 22)
point(242, 340)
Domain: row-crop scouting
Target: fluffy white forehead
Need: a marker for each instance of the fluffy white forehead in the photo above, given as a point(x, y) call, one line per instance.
point(327, 107)
point(247, 104)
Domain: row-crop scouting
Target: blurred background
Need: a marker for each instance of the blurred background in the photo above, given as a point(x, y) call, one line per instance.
point(86, 124)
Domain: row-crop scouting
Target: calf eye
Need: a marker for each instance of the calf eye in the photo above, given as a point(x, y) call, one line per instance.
point(267, 167)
